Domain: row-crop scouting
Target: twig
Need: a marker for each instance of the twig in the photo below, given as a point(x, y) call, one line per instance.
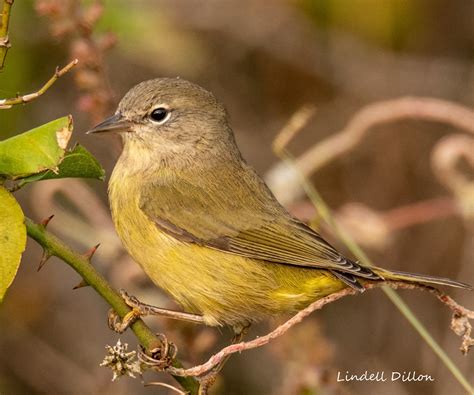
point(374, 229)
point(169, 386)
point(460, 314)
point(284, 182)
point(445, 159)
point(419, 212)
point(8, 103)
point(4, 40)
point(82, 266)
point(297, 122)
point(423, 108)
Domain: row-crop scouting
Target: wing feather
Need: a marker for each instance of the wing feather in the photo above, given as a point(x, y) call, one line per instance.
point(241, 217)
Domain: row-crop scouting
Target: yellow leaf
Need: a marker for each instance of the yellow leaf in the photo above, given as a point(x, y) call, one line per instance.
point(12, 239)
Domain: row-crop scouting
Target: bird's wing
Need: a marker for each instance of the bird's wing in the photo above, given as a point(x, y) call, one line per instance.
point(240, 215)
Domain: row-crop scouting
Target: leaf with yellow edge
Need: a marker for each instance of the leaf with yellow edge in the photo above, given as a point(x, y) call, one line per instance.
point(12, 239)
point(35, 151)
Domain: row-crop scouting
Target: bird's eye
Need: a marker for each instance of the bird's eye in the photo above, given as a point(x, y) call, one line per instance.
point(160, 115)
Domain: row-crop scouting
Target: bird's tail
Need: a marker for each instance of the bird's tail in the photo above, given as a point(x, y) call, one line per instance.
point(420, 278)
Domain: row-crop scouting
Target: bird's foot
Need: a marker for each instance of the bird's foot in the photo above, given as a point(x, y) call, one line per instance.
point(120, 325)
point(138, 310)
point(161, 357)
point(134, 303)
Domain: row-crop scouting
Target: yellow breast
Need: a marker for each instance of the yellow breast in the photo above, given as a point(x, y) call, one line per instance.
point(224, 288)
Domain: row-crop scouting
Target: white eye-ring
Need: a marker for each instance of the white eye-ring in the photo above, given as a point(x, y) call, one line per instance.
point(160, 115)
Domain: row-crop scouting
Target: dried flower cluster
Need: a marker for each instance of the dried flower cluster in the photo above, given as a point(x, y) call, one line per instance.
point(121, 362)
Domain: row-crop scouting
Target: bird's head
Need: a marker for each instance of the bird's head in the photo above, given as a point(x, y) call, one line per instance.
point(170, 119)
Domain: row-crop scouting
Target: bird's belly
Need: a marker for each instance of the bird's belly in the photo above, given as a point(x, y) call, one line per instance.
point(224, 288)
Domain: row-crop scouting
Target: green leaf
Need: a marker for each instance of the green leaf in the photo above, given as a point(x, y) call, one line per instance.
point(12, 239)
point(35, 151)
point(77, 163)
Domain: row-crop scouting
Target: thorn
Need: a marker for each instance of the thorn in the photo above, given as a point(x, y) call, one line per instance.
point(44, 223)
point(82, 284)
point(89, 254)
point(44, 258)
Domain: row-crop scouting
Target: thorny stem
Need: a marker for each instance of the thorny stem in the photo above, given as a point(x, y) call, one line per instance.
point(81, 264)
point(459, 324)
point(8, 103)
point(4, 40)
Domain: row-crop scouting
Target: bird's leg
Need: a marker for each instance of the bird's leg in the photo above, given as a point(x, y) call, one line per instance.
point(206, 381)
point(140, 309)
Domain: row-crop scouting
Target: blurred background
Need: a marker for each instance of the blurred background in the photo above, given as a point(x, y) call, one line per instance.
point(264, 60)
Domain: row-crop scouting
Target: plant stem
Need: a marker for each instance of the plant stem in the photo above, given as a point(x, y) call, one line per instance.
point(81, 264)
point(4, 41)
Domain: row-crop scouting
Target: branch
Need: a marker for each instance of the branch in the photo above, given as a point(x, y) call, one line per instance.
point(423, 108)
point(4, 40)
point(8, 103)
point(81, 264)
point(284, 183)
point(419, 212)
point(295, 124)
point(445, 161)
point(460, 325)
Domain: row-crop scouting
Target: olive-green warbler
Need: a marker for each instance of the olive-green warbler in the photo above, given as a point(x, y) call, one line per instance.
point(204, 226)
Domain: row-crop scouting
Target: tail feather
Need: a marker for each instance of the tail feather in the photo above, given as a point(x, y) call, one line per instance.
point(420, 278)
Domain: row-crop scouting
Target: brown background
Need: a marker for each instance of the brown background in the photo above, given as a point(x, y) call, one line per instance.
point(263, 59)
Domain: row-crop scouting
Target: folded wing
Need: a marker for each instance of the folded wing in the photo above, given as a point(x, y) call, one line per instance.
point(242, 217)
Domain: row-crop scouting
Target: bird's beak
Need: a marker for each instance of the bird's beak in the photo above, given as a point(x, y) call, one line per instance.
point(115, 123)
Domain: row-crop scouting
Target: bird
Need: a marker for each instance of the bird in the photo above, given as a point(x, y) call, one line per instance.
point(203, 224)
